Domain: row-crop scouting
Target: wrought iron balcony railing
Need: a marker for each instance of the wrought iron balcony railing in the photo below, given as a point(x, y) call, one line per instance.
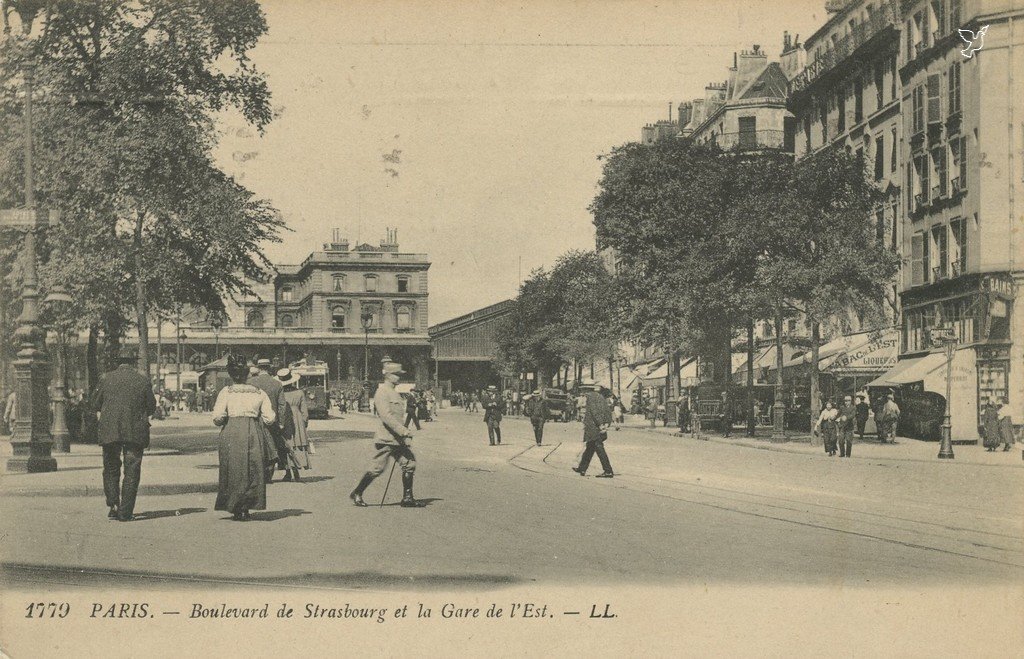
point(886, 16)
point(754, 141)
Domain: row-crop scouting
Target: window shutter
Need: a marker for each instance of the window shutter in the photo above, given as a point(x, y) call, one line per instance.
point(916, 259)
point(952, 88)
point(941, 171)
point(934, 98)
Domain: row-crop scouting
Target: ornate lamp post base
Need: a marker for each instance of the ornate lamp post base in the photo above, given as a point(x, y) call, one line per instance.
point(946, 445)
point(30, 441)
point(31, 464)
point(778, 424)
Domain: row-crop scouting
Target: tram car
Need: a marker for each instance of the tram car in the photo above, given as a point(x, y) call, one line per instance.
point(313, 383)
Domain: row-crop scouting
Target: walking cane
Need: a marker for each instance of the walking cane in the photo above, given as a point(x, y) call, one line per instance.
point(393, 463)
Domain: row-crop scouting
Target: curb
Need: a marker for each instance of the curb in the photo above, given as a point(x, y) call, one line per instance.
point(779, 447)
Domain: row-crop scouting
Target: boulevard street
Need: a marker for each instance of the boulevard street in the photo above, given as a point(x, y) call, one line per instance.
point(679, 511)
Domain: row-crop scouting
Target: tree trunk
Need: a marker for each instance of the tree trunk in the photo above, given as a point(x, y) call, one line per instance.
point(751, 420)
point(815, 394)
point(92, 378)
point(668, 379)
point(113, 332)
point(92, 363)
point(141, 319)
point(779, 409)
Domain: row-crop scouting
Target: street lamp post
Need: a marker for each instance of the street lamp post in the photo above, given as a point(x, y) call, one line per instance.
point(31, 441)
point(366, 318)
point(59, 430)
point(947, 338)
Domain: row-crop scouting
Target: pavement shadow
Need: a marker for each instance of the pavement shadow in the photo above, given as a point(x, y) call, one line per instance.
point(274, 515)
point(157, 514)
point(162, 489)
point(311, 479)
point(423, 502)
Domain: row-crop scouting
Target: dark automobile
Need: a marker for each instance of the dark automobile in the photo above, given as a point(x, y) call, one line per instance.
point(557, 401)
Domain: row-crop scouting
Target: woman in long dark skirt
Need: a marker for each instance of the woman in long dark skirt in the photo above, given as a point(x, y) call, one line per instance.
point(990, 425)
point(244, 412)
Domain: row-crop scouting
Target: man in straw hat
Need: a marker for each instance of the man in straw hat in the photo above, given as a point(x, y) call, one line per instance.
point(391, 439)
point(596, 420)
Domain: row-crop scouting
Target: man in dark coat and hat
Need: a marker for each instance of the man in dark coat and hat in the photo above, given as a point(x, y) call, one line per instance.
point(596, 419)
point(494, 407)
point(538, 410)
point(125, 401)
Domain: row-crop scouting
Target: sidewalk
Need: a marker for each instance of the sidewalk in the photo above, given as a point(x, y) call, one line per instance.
point(194, 426)
point(905, 448)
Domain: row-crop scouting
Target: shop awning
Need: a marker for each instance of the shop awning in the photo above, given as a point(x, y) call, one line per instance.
point(910, 370)
point(876, 354)
point(656, 378)
point(852, 354)
point(218, 365)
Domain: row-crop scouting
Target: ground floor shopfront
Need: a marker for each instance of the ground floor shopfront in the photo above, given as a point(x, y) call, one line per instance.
point(977, 311)
point(348, 358)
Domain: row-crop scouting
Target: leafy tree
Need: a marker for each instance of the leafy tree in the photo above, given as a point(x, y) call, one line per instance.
point(708, 241)
point(828, 259)
point(567, 315)
point(686, 255)
point(124, 144)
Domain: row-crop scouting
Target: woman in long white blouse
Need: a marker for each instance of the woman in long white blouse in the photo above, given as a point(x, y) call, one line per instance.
point(243, 412)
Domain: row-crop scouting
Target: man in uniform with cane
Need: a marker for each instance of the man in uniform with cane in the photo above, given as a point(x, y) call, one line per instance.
point(391, 440)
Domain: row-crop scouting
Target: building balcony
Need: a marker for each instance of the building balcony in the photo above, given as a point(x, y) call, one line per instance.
point(953, 122)
point(938, 192)
point(885, 17)
point(755, 141)
point(956, 185)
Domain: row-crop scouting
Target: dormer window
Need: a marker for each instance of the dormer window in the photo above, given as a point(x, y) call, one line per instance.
point(370, 283)
point(338, 283)
point(287, 294)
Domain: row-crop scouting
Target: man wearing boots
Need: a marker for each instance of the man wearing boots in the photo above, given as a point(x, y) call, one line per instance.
point(391, 439)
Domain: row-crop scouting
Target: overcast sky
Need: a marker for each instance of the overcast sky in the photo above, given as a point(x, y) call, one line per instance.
point(491, 117)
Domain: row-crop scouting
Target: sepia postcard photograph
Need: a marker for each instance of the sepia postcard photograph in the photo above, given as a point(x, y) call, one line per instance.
point(546, 328)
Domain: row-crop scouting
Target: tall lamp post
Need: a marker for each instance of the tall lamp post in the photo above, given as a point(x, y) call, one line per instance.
point(946, 337)
point(31, 442)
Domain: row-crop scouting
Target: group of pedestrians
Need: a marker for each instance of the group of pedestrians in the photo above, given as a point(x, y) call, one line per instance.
point(263, 423)
point(837, 426)
point(419, 406)
point(997, 425)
